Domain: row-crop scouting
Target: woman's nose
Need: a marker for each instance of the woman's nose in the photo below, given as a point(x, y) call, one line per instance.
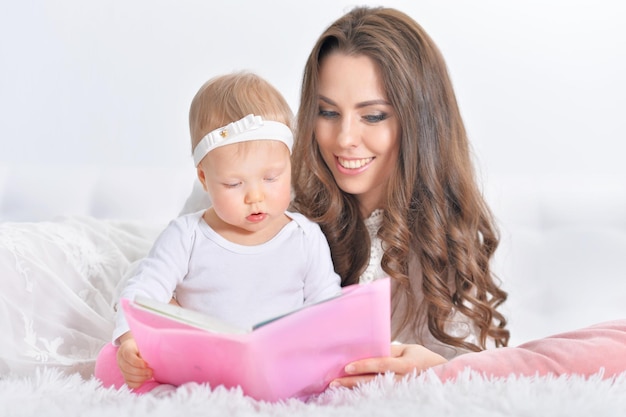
point(348, 135)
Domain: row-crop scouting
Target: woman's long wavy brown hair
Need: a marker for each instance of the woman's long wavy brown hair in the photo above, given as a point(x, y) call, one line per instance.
point(433, 210)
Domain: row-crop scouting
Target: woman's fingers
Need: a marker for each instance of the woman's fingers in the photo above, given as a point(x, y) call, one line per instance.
point(404, 359)
point(373, 366)
point(351, 381)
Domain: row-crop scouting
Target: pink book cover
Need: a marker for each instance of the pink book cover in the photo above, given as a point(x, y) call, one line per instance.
point(293, 356)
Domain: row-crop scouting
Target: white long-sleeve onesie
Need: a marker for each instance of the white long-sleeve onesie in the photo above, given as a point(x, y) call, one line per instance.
point(242, 285)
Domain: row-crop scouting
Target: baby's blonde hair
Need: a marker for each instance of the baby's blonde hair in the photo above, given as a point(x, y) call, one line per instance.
point(227, 98)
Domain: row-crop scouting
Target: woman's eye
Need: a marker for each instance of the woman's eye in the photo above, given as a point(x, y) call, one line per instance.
point(328, 114)
point(375, 118)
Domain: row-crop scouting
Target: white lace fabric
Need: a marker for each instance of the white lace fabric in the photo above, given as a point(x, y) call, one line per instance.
point(374, 270)
point(58, 284)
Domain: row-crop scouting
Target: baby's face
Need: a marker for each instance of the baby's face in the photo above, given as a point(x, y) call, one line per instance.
point(249, 184)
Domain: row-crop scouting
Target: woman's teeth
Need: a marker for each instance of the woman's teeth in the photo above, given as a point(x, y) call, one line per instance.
point(354, 163)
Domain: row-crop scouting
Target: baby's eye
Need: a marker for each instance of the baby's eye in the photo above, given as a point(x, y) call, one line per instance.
point(232, 184)
point(270, 178)
point(375, 118)
point(328, 114)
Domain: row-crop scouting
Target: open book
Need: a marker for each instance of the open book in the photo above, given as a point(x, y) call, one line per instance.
point(295, 355)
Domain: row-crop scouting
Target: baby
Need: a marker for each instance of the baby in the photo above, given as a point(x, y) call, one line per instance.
point(245, 258)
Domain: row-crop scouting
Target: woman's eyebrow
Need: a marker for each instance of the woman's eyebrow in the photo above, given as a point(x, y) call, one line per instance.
point(326, 100)
point(372, 103)
point(358, 105)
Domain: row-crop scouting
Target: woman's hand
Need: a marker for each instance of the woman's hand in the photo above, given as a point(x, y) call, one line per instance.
point(134, 369)
point(404, 359)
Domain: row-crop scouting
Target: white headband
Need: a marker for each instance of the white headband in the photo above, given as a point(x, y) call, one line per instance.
point(249, 128)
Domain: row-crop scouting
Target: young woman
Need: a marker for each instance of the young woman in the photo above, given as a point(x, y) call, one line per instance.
point(383, 164)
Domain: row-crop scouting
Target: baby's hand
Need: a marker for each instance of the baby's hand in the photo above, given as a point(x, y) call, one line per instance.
point(134, 369)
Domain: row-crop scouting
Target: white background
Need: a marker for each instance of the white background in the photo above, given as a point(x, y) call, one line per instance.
point(541, 83)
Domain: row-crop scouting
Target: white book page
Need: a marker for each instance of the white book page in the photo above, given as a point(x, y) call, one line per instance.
point(190, 317)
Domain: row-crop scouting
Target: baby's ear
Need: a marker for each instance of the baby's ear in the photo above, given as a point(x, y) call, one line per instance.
point(201, 176)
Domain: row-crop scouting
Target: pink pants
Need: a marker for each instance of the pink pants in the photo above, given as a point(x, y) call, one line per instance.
point(110, 375)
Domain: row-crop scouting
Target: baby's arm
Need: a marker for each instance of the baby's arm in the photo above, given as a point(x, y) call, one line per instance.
point(158, 274)
point(134, 369)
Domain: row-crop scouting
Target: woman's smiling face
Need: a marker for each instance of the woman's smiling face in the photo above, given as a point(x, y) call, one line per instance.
point(357, 129)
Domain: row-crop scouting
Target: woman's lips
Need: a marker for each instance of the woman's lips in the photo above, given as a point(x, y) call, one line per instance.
point(352, 166)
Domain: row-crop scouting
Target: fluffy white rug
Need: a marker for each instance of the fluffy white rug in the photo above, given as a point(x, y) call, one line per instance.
point(52, 393)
